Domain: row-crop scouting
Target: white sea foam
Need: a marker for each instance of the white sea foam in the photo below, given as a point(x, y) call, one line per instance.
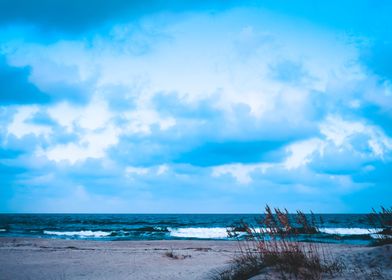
point(380, 236)
point(349, 231)
point(219, 232)
point(216, 232)
point(3, 229)
point(83, 233)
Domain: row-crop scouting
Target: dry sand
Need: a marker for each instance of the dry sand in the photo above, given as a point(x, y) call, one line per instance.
point(34, 258)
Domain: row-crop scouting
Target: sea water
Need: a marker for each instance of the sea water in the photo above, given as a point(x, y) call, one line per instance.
point(341, 228)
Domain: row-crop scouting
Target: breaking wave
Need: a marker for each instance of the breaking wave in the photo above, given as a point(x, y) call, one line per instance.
point(205, 233)
point(81, 234)
point(194, 232)
point(344, 228)
point(349, 231)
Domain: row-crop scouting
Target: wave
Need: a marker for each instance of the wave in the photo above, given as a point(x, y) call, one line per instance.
point(82, 233)
point(130, 223)
point(350, 231)
point(138, 232)
point(2, 229)
point(221, 233)
point(204, 233)
point(150, 229)
point(197, 233)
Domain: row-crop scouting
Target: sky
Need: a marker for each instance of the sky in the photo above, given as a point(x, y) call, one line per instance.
point(195, 106)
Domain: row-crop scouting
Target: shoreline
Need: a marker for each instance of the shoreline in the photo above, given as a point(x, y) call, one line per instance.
point(44, 258)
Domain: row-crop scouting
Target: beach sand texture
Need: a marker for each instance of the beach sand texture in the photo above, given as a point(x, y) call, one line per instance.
point(34, 258)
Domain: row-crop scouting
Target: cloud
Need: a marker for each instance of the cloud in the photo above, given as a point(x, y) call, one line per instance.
point(61, 70)
point(141, 121)
point(155, 170)
point(16, 87)
point(20, 125)
point(342, 132)
point(90, 145)
point(240, 172)
point(171, 111)
point(300, 153)
point(92, 124)
point(344, 148)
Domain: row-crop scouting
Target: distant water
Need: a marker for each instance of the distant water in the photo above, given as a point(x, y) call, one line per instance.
point(342, 228)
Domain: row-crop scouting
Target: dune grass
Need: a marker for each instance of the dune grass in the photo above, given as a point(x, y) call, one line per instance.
point(274, 244)
point(382, 219)
point(170, 254)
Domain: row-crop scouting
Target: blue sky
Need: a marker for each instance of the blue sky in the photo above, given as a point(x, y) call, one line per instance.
point(179, 106)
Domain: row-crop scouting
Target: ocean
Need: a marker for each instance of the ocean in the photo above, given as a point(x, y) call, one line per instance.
point(336, 228)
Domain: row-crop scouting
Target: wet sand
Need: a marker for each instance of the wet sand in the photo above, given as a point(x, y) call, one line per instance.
point(35, 258)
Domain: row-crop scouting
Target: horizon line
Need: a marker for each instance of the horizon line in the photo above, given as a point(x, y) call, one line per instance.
point(170, 213)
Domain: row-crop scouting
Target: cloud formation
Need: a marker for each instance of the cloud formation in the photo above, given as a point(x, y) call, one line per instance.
point(191, 108)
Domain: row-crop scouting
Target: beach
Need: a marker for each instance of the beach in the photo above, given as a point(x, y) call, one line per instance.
point(44, 258)
point(33, 258)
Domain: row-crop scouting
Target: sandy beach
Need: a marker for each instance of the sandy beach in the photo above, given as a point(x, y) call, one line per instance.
point(35, 258)
point(74, 259)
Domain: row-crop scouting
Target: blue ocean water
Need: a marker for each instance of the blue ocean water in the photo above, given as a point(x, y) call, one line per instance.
point(342, 228)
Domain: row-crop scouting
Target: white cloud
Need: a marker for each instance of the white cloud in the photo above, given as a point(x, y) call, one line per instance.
point(67, 62)
point(91, 124)
point(96, 115)
point(130, 170)
point(90, 145)
point(217, 66)
point(156, 170)
point(20, 125)
point(65, 114)
point(300, 152)
point(93, 116)
point(231, 70)
point(162, 169)
point(241, 172)
point(140, 121)
point(340, 132)
point(337, 130)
